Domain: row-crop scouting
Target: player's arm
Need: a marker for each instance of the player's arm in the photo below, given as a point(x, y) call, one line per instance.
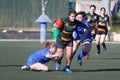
point(97, 21)
point(86, 29)
point(108, 24)
point(53, 58)
point(52, 55)
point(83, 25)
point(83, 36)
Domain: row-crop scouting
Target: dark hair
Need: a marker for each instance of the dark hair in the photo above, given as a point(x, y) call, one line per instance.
point(93, 6)
point(82, 13)
point(72, 12)
point(102, 8)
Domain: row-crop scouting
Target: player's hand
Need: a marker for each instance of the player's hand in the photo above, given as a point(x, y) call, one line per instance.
point(55, 24)
point(100, 23)
point(88, 20)
point(57, 55)
point(78, 41)
point(93, 32)
point(55, 59)
point(109, 28)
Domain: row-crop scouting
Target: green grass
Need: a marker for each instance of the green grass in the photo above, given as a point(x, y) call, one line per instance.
point(13, 55)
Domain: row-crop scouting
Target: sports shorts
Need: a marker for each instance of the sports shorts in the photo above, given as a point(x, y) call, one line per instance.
point(64, 44)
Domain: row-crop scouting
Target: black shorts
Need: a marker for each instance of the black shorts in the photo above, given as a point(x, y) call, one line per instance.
point(99, 33)
point(64, 44)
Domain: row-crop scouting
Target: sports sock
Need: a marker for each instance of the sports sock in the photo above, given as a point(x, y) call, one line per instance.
point(98, 48)
point(59, 61)
point(72, 55)
point(94, 36)
point(104, 46)
point(82, 53)
point(66, 67)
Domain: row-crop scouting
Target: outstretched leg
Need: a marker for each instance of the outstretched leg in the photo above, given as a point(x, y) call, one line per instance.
point(86, 47)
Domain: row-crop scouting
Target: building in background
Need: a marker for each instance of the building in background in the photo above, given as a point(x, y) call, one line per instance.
point(84, 5)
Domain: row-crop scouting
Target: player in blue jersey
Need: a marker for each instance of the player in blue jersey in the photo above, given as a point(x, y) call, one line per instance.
point(78, 35)
point(36, 60)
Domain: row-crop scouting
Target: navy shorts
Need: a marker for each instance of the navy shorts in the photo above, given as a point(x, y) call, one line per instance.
point(100, 33)
point(30, 62)
point(64, 44)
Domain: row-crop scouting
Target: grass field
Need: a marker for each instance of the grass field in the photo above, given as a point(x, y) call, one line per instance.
point(13, 55)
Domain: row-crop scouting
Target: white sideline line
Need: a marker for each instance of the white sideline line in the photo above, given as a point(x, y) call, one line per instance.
point(46, 40)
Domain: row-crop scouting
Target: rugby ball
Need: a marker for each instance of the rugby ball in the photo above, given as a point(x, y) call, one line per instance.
point(59, 24)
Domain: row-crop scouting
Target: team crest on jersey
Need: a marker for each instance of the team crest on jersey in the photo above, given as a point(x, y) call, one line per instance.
point(66, 24)
point(74, 26)
point(106, 18)
point(95, 17)
point(88, 17)
point(100, 18)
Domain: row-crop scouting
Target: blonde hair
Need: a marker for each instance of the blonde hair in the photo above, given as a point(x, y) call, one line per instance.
point(52, 45)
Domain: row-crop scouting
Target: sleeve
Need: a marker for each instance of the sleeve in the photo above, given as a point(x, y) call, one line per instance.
point(108, 18)
point(108, 21)
point(81, 24)
point(87, 24)
point(64, 19)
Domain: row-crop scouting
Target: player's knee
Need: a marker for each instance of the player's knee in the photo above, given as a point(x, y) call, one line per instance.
point(101, 42)
point(86, 47)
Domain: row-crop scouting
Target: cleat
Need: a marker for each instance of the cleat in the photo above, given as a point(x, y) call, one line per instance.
point(72, 56)
point(80, 61)
point(57, 67)
point(25, 68)
point(67, 70)
point(98, 52)
point(86, 56)
point(105, 49)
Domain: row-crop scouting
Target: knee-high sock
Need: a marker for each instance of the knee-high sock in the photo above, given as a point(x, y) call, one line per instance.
point(72, 55)
point(82, 54)
point(104, 46)
point(98, 47)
